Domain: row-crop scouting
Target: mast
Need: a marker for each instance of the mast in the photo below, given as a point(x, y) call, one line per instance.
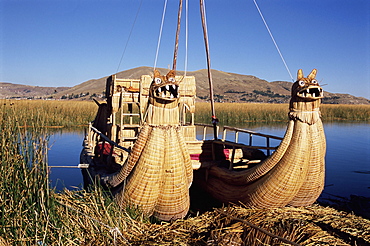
point(177, 37)
point(205, 34)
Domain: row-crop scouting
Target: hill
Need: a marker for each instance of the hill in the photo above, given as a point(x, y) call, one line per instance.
point(10, 90)
point(228, 87)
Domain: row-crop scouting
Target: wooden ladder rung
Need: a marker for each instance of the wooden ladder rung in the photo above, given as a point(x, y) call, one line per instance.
point(127, 114)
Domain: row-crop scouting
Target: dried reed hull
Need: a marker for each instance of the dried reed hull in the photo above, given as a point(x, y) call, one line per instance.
point(314, 182)
point(173, 201)
point(159, 183)
point(158, 170)
point(134, 156)
point(294, 174)
point(144, 184)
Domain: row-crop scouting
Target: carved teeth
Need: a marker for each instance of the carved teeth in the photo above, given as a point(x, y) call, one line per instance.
point(170, 91)
point(308, 91)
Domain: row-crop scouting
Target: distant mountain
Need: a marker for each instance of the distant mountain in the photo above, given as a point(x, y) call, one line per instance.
point(228, 87)
point(10, 90)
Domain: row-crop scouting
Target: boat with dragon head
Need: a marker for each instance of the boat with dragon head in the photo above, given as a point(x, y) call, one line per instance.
point(143, 148)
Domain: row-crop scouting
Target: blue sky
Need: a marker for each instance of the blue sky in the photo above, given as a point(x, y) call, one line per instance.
point(67, 42)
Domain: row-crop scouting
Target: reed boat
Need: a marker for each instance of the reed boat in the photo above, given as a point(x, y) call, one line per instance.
point(143, 147)
point(231, 171)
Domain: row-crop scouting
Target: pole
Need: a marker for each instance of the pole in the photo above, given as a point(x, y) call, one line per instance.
point(177, 37)
point(204, 25)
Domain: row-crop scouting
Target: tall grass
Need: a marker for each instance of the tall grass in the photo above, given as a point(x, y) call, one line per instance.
point(31, 213)
point(238, 113)
point(77, 113)
point(345, 112)
point(241, 113)
point(51, 113)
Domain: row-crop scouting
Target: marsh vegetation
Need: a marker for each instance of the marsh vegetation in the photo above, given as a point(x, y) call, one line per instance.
point(31, 213)
point(44, 113)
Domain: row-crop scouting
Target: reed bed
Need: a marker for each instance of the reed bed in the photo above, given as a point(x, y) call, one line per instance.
point(341, 112)
point(241, 113)
point(78, 113)
point(33, 214)
point(50, 113)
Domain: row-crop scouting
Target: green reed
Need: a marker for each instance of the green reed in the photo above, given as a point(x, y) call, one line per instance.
point(24, 188)
point(33, 214)
point(242, 113)
point(51, 113)
point(77, 113)
point(342, 112)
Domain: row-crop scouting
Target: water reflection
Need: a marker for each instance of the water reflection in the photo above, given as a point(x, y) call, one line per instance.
point(65, 146)
point(347, 157)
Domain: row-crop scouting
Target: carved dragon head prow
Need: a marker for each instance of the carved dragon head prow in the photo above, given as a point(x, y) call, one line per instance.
point(164, 97)
point(164, 89)
point(306, 98)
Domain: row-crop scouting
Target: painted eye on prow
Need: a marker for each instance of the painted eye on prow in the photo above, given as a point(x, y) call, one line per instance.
point(157, 80)
point(301, 83)
point(314, 81)
point(171, 79)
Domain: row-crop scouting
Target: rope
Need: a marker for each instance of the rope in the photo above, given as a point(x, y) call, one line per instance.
point(129, 36)
point(160, 34)
point(114, 230)
point(186, 37)
point(273, 40)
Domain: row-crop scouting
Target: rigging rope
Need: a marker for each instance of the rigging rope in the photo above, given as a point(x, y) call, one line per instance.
point(186, 37)
point(129, 36)
point(160, 34)
point(273, 40)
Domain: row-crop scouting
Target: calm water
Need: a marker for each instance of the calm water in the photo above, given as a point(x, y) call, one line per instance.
point(347, 157)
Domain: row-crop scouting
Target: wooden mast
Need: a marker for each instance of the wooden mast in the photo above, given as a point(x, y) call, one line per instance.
point(204, 25)
point(177, 37)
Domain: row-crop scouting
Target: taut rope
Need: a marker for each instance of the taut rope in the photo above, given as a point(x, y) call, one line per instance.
point(273, 40)
point(186, 36)
point(129, 36)
point(160, 34)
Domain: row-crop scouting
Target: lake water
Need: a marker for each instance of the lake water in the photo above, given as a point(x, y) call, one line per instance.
point(347, 157)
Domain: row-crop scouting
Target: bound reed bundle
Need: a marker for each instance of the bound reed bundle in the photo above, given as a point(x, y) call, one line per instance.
point(157, 115)
point(294, 173)
point(158, 170)
point(314, 183)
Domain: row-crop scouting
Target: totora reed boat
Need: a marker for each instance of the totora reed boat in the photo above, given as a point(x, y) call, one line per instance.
point(143, 147)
